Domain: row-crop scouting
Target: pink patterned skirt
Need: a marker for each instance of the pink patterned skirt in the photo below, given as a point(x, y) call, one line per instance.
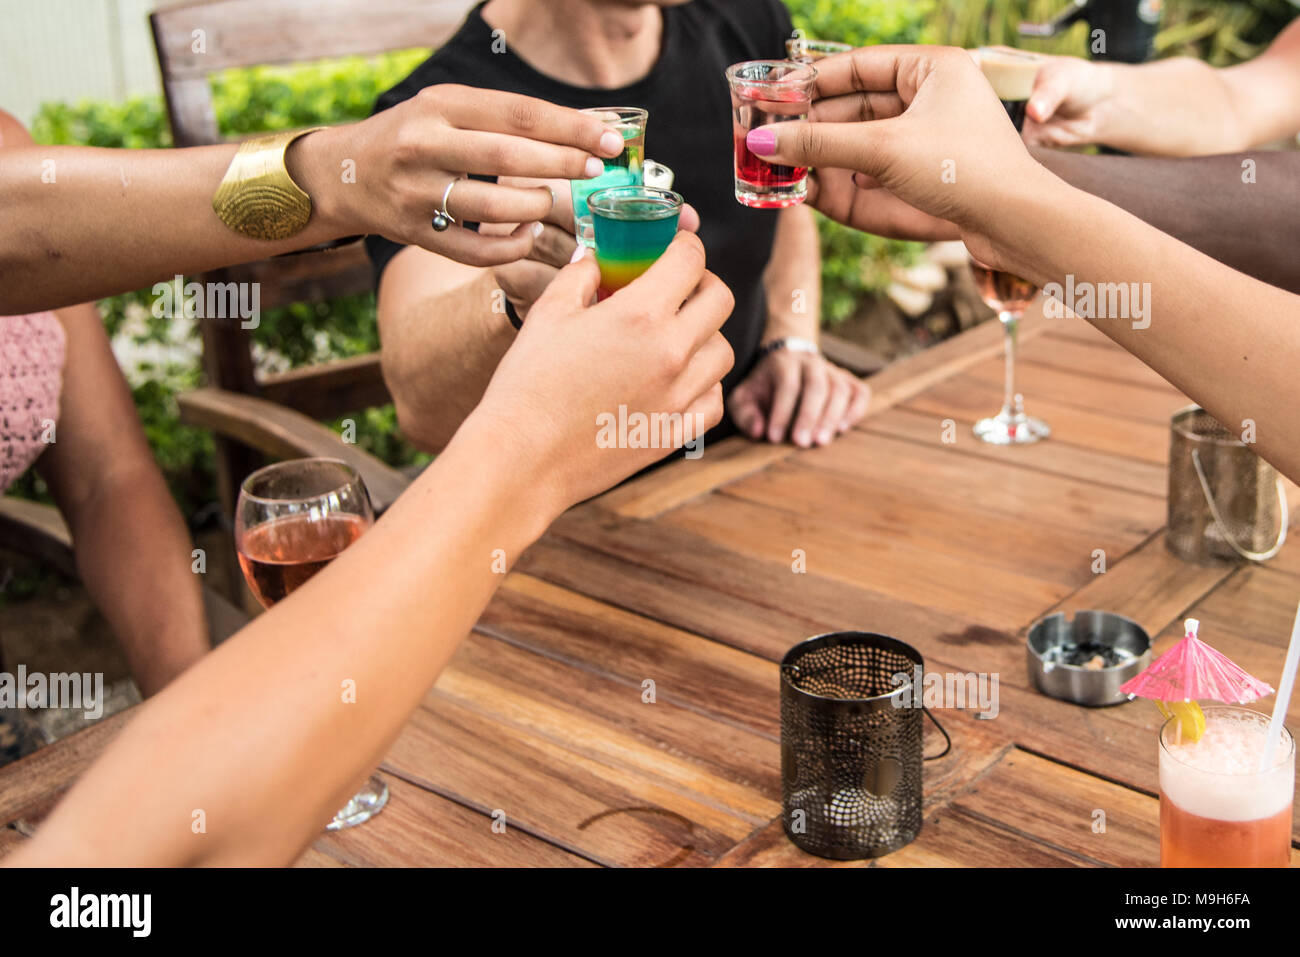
point(32, 351)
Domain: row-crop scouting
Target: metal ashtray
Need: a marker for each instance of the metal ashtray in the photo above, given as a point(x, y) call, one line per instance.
point(1086, 661)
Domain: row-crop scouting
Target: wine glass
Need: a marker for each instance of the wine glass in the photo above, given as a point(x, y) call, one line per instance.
point(1008, 295)
point(291, 520)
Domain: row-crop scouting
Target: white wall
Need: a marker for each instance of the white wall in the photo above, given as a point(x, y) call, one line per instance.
point(74, 49)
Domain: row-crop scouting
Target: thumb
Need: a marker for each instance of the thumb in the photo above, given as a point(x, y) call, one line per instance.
point(855, 146)
point(746, 411)
point(1050, 90)
point(573, 287)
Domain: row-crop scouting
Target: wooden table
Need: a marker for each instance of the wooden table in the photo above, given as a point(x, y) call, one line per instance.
point(546, 721)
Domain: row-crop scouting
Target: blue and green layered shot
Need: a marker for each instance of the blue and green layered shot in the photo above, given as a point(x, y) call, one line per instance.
point(633, 226)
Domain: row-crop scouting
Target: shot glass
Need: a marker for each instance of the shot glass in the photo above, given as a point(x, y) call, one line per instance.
point(631, 227)
point(764, 92)
point(625, 169)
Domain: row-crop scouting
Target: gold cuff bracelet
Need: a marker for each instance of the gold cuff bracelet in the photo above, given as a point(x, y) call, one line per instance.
point(257, 196)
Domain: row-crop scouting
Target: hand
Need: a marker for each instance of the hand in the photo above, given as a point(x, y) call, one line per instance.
point(652, 347)
point(524, 280)
point(1069, 103)
point(923, 123)
point(828, 399)
point(860, 202)
point(404, 158)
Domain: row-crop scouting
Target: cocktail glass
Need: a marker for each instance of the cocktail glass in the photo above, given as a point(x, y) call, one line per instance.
point(1217, 808)
point(765, 92)
point(632, 226)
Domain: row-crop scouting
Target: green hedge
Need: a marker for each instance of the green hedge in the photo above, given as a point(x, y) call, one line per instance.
point(854, 265)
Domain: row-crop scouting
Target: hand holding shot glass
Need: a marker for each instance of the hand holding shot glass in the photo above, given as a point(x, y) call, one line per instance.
point(764, 92)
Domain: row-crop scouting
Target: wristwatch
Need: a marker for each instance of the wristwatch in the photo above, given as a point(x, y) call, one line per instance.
point(792, 343)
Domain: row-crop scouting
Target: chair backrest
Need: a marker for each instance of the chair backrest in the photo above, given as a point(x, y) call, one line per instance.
point(193, 40)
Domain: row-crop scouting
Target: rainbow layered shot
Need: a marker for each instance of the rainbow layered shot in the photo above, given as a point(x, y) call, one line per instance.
point(633, 225)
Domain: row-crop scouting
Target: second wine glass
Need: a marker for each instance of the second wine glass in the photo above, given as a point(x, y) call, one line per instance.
point(1008, 295)
point(292, 519)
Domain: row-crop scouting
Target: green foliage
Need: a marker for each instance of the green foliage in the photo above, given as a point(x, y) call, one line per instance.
point(864, 22)
point(1222, 32)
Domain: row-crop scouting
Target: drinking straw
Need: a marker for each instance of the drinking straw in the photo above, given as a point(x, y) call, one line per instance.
point(1283, 700)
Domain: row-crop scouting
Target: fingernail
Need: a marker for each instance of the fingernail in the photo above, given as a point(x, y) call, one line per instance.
point(611, 142)
point(594, 167)
point(802, 438)
point(845, 425)
point(578, 254)
point(824, 436)
point(537, 229)
point(762, 140)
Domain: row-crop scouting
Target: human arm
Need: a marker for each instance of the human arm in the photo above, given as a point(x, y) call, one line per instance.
point(81, 223)
point(1228, 341)
point(790, 393)
point(1237, 208)
point(388, 613)
point(1175, 107)
point(102, 474)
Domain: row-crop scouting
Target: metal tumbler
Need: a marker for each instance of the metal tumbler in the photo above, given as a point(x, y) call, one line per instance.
point(851, 744)
point(1225, 502)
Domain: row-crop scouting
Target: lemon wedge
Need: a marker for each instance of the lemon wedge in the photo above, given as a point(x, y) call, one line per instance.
point(1191, 718)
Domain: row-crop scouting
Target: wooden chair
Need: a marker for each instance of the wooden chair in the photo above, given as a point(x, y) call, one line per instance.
point(278, 415)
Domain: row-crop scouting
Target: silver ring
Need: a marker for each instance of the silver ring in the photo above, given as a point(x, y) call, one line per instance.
point(442, 219)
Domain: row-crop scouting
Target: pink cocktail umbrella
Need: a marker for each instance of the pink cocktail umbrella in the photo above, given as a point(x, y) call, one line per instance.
point(1191, 670)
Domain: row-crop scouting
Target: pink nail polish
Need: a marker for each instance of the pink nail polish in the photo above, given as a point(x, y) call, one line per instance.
point(761, 141)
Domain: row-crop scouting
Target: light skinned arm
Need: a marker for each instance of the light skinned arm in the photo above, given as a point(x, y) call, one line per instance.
point(1175, 107)
point(81, 223)
point(257, 735)
point(1228, 341)
point(108, 487)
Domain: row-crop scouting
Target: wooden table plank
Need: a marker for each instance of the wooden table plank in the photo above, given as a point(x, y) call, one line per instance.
point(1013, 544)
point(966, 400)
point(687, 581)
point(939, 474)
point(985, 595)
point(587, 635)
point(420, 829)
point(31, 784)
point(1121, 401)
point(1058, 458)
